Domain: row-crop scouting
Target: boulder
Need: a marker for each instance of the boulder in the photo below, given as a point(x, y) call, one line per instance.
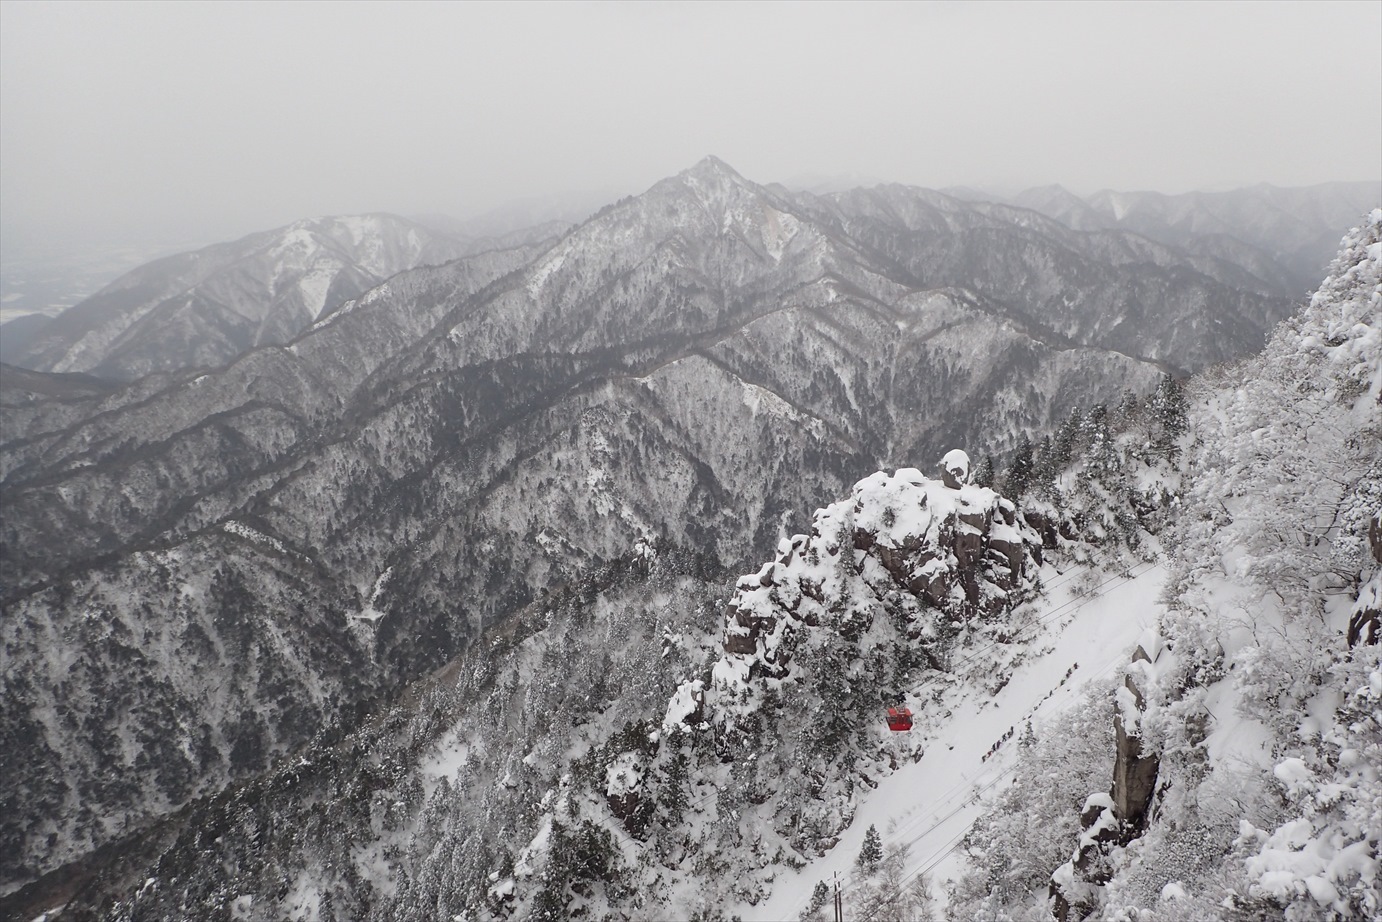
point(955, 469)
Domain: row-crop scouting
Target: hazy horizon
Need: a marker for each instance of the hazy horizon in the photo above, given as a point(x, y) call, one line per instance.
point(135, 122)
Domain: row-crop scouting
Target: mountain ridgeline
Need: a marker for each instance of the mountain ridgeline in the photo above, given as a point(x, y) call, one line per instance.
point(205, 566)
point(204, 308)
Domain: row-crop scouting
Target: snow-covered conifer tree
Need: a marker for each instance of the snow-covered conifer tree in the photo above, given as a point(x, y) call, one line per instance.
point(871, 852)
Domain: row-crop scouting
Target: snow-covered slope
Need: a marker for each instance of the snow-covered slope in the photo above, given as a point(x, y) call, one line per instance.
point(1078, 641)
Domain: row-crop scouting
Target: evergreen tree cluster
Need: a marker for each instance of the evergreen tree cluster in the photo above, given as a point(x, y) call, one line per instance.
point(1105, 477)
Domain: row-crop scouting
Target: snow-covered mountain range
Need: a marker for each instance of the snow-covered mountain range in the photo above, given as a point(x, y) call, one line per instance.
point(1288, 234)
point(549, 459)
point(204, 308)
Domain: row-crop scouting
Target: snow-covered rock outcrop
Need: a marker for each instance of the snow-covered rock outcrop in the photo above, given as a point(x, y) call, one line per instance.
point(930, 549)
point(1114, 818)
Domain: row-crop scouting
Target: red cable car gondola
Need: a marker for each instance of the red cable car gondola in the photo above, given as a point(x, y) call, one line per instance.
point(899, 719)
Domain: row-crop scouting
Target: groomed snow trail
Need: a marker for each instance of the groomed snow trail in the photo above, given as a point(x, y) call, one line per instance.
point(930, 804)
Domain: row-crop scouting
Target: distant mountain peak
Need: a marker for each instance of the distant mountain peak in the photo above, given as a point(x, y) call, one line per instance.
point(710, 165)
point(711, 177)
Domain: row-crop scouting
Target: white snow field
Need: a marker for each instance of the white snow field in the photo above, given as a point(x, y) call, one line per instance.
point(930, 804)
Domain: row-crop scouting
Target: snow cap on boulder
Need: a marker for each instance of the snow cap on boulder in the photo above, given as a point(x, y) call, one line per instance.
point(955, 468)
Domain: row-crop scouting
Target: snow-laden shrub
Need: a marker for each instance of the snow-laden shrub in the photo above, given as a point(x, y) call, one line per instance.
point(1322, 861)
point(1285, 468)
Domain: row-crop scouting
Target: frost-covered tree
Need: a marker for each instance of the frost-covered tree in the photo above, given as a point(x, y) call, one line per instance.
point(871, 852)
point(983, 473)
point(890, 894)
point(820, 895)
point(1322, 861)
point(1287, 462)
point(1166, 414)
point(1281, 464)
point(1101, 458)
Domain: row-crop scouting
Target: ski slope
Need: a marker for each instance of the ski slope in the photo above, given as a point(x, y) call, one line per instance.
point(930, 804)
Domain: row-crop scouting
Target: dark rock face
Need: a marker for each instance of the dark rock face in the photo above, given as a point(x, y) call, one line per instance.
point(1134, 775)
point(746, 642)
point(1365, 624)
point(1375, 537)
point(1118, 817)
point(1072, 885)
point(624, 806)
point(623, 788)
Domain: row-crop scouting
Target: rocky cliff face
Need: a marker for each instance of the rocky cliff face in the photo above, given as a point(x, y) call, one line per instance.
point(869, 609)
point(1114, 819)
point(958, 549)
point(319, 521)
point(1365, 623)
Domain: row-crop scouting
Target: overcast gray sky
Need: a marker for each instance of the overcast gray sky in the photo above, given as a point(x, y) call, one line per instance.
point(204, 121)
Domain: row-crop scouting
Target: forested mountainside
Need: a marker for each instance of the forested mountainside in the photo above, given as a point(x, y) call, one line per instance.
point(206, 307)
point(640, 745)
point(204, 569)
point(600, 753)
